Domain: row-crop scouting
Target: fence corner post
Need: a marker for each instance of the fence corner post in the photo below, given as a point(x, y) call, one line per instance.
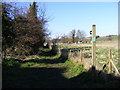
point(110, 64)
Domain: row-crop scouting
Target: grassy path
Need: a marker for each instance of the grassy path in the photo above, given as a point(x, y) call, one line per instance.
point(49, 71)
point(45, 72)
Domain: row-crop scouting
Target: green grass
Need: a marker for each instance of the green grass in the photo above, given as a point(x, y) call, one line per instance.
point(73, 69)
point(118, 65)
point(103, 54)
point(39, 73)
point(42, 73)
point(114, 38)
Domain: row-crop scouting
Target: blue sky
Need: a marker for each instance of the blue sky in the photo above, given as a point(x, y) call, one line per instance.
point(66, 16)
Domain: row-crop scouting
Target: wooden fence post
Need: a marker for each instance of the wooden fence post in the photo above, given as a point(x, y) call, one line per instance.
point(110, 65)
point(94, 45)
point(81, 55)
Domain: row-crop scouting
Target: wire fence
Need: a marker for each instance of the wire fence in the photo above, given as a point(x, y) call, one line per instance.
point(104, 59)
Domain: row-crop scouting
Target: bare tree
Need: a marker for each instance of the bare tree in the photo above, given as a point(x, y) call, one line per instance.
point(80, 35)
point(73, 35)
point(77, 35)
point(65, 39)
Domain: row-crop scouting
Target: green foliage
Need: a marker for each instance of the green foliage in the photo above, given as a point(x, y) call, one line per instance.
point(10, 63)
point(27, 64)
point(118, 65)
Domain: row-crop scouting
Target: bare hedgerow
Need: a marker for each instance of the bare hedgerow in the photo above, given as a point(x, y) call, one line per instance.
point(30, 32)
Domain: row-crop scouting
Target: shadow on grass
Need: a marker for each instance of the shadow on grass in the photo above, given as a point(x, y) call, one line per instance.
point(47, 52)
point(61, 59)
point(33, 78)
point(16, 77)
point(97, 79)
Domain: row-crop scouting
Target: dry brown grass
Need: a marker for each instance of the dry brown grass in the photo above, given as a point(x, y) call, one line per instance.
point(108, 44)
point(113, 44)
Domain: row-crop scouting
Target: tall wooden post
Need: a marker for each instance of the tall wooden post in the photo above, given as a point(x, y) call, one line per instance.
point(94, 45)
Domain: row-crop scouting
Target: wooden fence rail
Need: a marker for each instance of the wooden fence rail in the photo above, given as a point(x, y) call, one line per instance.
point(110, 65)
point(82, 52)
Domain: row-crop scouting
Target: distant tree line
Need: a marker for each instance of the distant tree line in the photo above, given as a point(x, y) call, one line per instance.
point(23, 33)
point(74, 36)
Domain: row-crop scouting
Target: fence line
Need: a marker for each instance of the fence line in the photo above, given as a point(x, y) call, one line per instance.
point(110, 64)
point(81, 55)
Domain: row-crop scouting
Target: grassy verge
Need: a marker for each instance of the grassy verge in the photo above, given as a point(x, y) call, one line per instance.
point(42, 73)
point(39, 74)
point(71, 69)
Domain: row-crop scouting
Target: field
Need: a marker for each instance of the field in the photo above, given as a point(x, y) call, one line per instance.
point(104, 38)
point(102, 50)
point(101, 44)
